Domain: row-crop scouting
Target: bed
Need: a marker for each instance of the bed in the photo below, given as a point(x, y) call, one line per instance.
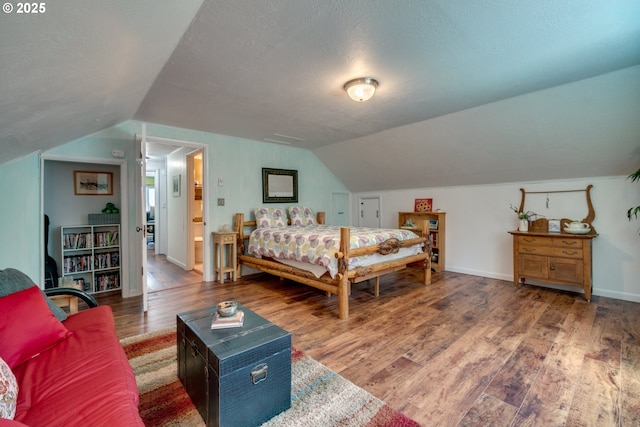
point(300, 247)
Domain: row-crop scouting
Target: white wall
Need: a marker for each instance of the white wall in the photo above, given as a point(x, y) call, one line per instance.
point(177, 208)
point(21, 227)
point(479, 218)
point(160, 237)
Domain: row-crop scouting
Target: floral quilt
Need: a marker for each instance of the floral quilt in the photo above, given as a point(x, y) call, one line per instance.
point(316, 244)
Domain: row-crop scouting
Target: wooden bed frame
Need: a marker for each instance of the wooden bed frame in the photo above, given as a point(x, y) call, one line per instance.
point(341, 285)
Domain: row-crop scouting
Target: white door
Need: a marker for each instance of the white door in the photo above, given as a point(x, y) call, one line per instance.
point(141, 212)
point(369, 212)
point(340, 209)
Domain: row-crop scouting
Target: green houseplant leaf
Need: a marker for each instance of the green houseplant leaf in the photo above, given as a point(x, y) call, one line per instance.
point(633, 212)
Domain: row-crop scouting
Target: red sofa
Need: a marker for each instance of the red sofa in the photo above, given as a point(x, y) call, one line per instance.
point(80, 378)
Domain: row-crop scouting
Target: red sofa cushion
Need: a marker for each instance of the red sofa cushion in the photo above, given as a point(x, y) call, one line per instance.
point(28, 327)
point(83, 380)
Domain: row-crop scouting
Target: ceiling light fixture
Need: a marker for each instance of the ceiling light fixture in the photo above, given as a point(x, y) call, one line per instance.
point(361, 89)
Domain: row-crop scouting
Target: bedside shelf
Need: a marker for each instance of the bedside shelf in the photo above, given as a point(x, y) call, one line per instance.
point(436, 235)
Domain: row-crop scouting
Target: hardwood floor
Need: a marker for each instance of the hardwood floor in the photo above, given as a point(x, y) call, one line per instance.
point(464, 351)
point(163, 274)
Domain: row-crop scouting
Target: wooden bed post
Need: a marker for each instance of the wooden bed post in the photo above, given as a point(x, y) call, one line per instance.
point(239, 228)
point(343, 270)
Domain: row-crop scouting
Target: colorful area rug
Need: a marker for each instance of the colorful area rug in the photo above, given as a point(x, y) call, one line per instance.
point(319, 396)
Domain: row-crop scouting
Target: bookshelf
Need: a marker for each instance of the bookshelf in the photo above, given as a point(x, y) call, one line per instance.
point(437, 229)
point(91, 256)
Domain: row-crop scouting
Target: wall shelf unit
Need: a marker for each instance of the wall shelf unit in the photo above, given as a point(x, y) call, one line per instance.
point(91, 256)
point(437, 229)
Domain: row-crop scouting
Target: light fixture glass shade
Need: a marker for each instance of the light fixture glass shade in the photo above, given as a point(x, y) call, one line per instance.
point(362, 89)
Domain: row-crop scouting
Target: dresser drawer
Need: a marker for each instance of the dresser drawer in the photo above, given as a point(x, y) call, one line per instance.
point(559, 242)
point(533, 240)
point(551, 251)
point(566, 242)
point(228, 239)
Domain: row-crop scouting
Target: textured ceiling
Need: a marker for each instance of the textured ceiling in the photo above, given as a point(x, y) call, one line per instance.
point(259, 69)
point(80, 67)
point(266, 70)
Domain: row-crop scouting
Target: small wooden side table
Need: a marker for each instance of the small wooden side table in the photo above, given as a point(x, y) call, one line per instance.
point(225, 254)
point(63, 301)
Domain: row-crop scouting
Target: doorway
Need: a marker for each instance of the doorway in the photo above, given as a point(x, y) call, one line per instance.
point(65, 208)
point(172, 256)
point(195, 184)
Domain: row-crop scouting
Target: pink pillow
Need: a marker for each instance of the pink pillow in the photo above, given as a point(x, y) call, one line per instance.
point(28, 327)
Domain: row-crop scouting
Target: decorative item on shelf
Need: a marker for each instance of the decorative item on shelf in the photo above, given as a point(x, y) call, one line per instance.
point(554, 226)
point(577, 227)
point(409, 224)
point(227, 308)
point(423, 205)
point(525, 218)
point(110, 208)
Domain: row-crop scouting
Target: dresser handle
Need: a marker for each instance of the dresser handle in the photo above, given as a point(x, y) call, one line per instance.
point(570, 253)
point(569, 243)
point(528, 240)
point(552, 267)
point(528, 249)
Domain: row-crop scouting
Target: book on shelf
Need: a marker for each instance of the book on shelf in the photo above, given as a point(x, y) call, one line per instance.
point(235, 321)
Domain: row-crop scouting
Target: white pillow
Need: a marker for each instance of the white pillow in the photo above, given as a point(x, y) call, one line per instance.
point(270, 217)
point(301, 216)
point(8, 391)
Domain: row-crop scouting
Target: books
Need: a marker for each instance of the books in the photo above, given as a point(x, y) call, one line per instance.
point(235, 321)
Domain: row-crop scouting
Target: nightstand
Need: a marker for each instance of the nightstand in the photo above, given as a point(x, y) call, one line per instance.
point(225, 254)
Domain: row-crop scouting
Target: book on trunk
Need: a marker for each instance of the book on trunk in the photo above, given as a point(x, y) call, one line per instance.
point(235, 321)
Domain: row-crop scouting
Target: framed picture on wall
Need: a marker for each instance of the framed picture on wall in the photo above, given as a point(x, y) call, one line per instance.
point(423, 205)
point(176, 186)
point(87, 183)
point(279, 185)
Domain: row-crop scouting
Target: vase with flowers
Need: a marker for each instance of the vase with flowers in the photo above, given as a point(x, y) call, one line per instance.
point(524, 218)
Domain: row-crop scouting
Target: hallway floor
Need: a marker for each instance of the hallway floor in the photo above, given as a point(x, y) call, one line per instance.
point(163, 274)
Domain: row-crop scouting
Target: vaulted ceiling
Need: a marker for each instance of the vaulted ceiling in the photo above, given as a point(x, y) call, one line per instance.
point(274, 71)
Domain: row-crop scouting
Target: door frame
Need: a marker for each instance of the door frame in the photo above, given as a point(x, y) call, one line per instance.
point(207, 266)
point(124, 207)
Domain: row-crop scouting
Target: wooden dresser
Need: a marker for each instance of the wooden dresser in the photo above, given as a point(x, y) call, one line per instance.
point(560, 258)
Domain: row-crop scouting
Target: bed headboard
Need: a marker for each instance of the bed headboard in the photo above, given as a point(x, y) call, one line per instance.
point(239, 223)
